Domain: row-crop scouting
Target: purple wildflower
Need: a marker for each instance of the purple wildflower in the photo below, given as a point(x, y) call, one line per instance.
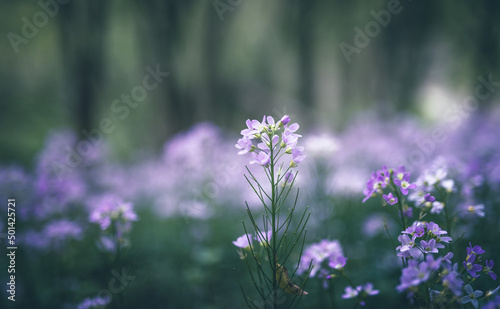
point(245, 144)
point(319, 252)
point(390, 199)
point(337, 261)
point(264, 238)
point(477, 210)
point(471, 267)
point(428, 198)
point(429, 246)
point(413, 275)
point(242, 241)
point(493, 304)
point(488, 267)
point(453, 282)
point(434, 229)
point(349, 292)
point(471, 296)
point(285, 120)
point(476, 250)
point(297, 156)
point(447, 258)
point(405, 184)
point(96, 302)
point(261, 158)
point(437, 207)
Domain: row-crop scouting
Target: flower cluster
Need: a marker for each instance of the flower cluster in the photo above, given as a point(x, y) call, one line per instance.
point(474, 256)
point(361, 292)
point(388, 177)
point(421, 238)
point(317, 253)
point(114, 218)
point(269, 142)
point(416, 273)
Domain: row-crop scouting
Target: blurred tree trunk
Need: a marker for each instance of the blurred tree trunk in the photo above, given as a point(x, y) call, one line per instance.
point(82, 33)
point(161, 27)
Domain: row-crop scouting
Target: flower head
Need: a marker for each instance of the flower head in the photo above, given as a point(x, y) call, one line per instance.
point(471, 267)
point(471, 296)
point(404, 183)
point(390, 199)
point(244, 241)
point(488, 267)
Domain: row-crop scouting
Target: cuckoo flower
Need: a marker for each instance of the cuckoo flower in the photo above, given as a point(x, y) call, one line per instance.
point(404, 183)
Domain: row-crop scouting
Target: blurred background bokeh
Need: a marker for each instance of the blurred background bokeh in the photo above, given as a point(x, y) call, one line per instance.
point(229, 61)
point(361, 77)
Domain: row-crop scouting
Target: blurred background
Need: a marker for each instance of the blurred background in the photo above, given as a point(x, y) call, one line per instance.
point(229, 61)
point(165, 86)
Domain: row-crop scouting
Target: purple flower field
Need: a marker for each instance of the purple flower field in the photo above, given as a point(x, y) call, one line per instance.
point(395, 217)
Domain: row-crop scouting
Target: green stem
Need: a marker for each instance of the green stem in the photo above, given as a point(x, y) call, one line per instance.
point(273, 208)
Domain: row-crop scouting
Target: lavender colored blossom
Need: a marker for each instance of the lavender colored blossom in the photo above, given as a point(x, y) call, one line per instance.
point(477, 210)
point(270, 140)
point(54, 235)
point(453, 281)
point(434, 229)
point(492, 304)
point(110, 211)
point(362, 291)
point(243, 241)
point(437, 207)
point(429, 246)
point(245, 144)
point(390, 199)
point(319, 252)
point(471, 296)
point(404, 183)
point(264, 238)
point(350, 292)
point(471, 267)
point(261, 158)
point(488, 267)
point(337, 262)
point(447, 258)
point(94, 303)
point(412, 276)
point(476, 250)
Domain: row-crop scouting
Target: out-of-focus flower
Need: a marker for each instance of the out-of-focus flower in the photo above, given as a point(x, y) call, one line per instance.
point(94, 303)
point(244, 241)
point(54, 235)
point(452, 281)
point(319, 252)
point(262, 158)
point(471, 296)
point(477, 210)
point(390, 199)
point(437, 207)
point(361, 291)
